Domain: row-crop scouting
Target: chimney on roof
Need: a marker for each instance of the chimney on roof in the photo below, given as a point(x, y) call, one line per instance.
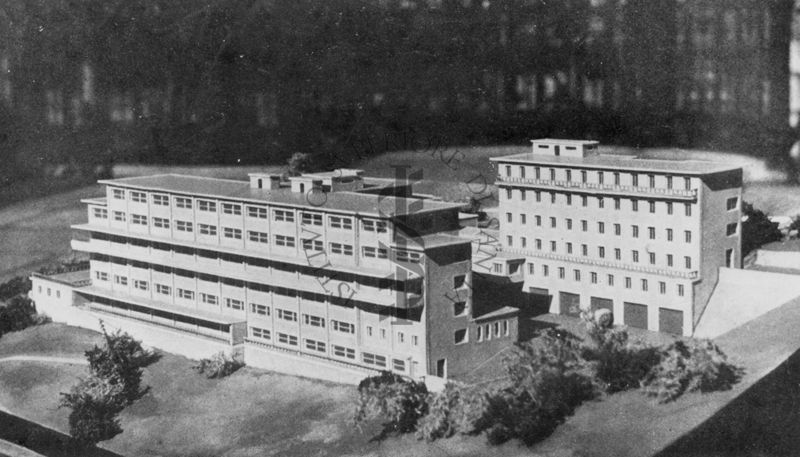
point(564, 148)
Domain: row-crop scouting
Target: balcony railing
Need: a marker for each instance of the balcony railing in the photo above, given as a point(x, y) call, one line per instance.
point(682, 194)
point(603, 263)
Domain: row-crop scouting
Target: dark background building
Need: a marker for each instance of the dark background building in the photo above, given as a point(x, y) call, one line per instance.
point(215, 82)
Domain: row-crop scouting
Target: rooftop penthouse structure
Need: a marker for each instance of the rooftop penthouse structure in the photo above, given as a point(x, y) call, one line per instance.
point(643, 238)
point(329, 275)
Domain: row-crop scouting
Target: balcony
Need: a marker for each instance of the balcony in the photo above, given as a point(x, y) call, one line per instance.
point(693, 275)
point(604, 189)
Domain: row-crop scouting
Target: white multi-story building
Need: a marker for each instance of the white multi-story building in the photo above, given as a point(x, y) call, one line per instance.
point(643, 238)
point(329, 267)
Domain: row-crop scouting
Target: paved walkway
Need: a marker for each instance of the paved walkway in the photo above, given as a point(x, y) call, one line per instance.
point(47, 359)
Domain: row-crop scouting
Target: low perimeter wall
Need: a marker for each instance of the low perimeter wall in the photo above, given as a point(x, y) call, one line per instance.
point(296, 365)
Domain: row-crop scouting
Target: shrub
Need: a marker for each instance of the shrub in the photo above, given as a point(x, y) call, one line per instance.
point(757, 229)
point(697, 366)
point(457, 409)
point(401, 402)
point(95, 403)
point(548, 381)
point(18, 314)
point(16, 286)
point(218, 366)
point(122, 359)
point(618, 363)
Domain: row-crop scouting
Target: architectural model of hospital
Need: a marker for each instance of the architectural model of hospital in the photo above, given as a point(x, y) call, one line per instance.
point(335, 275)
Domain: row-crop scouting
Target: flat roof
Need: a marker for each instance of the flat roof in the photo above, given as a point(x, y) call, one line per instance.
point(344, 201)
point(561, 141)
point(621, 162)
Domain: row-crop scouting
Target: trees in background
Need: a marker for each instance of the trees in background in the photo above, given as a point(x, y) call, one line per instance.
point(757, 229)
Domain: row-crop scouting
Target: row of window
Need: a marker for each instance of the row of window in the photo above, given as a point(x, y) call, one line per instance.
point(487, 332)
point(600, 201)
point(259, 212)
point(321, 347)
point(595, 278)
point(601, 227)
point(601, 252)
point(599, 176)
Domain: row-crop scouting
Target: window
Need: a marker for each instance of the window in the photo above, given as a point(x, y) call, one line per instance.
point(635, 180)
point(610, 279)
point(577, 275)
point(593, 277)
point(680, 290)
point(732, 203)
point(561, 273)
point(687, 261)
point(314, 321)
point(498, 267)
point(539, 244)
point(584, 201)
point(100, 275)
point(522, 218)
point(730, 230)
point(118, 194)
point(584, 225)
point(662, 287)
point(652, 256)
point(258, 212)
point(141, 285)
point(209, 299)
point(160, 222)
point(687, 236)
point(341, 249)
point(230, 232)
point(522, 171)
point(183, 202)
point(537, 172)
point(552, 174)
point(687, 183)
point(522, 194)
point(138, 219)
point(138, 197)
point(669, 260)
point(634, 205)
point(285, 241)
point(635, 256)
point(206, 229)
point(545, 270)
point(291, 340)
point(187, 294)
point(651, 233)
point(617, 203)
point(538, 221)
point(583, 175)
point(283, 314)
point(344, 352)
point(163, 289)
point(509, 218)
point(584, 250)
point(414, 340)
point(100, 213)
point(314, 345)
point(669, 182)
point(407, 256)
point(569, 247)
point(601, 252)
point(530, 268)
point(283, 216)
point(617, 229)
point(345, 223)
point(669, 208)
point(652, 205)
point(509, 194)
point(344, 327)
point(232, 208)
point(569, 199)
point(617, 254)
point(552, 246)
point(669, 234)
point(379, 253)
point(601, 203)
point(479, 333)
point(628, 282)
point(552, 197)
point(569, 175)
point(183, 226)
point(552, 222)
point(257, 308)
point(508, 170)
point(311, 218)
point(616, 179)
point(644, 285)
point(538, 196)
point(635, 231)
point(121, 280)
point(460, 336)
point(258, 237)
point(260, 333)
point(652, 180)
point(687, 209)
point(569, 224)
point(373, 359)
point(206, 205)
point(371, 225)
point(119, 216)
point(160, 200)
